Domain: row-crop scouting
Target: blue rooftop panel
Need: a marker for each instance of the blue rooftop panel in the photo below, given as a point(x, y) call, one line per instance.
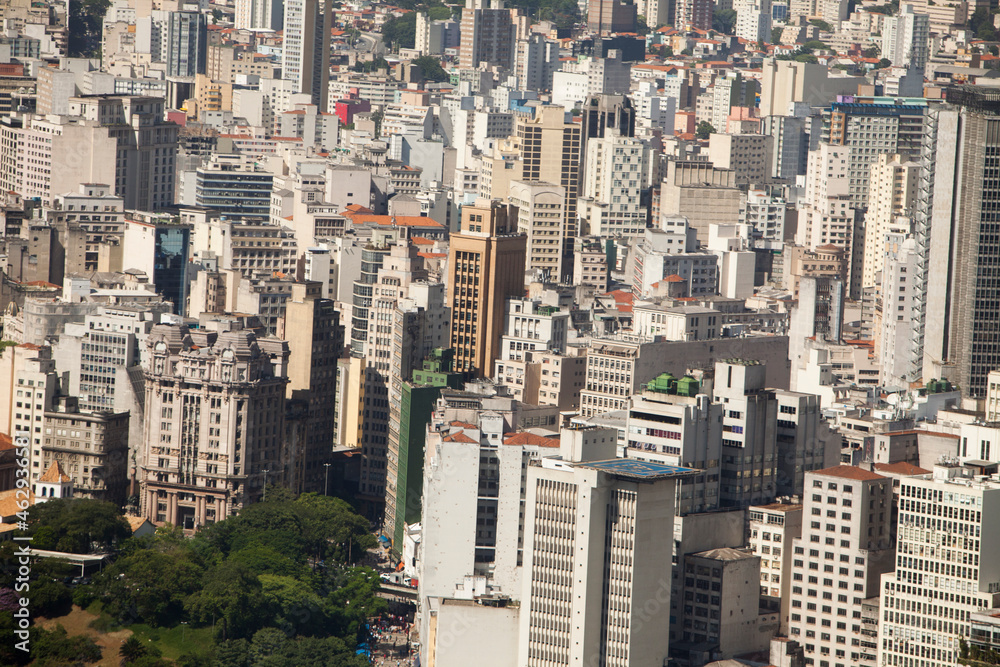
point(635, 469)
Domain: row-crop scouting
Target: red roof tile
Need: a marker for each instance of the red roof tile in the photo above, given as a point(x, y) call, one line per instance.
point(849, 472)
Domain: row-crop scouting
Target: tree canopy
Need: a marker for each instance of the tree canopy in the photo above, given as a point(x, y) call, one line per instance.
point(77, 525)
point(704, 129)
point(86, 22)
point(400, 32)
point(724, 20)
point(431, 68)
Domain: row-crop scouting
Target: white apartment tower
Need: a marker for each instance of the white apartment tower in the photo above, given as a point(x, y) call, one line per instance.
point(305, 55)
point(892, 193)
point(846, 546)
point(259, 14)
point(595, 587)
point(773, 527)
point(540, 217)
point(906, 38)
point(616, 171)
point(947, 566)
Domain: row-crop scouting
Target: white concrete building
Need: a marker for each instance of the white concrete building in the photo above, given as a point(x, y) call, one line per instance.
point(773, 527)
point(845, 548)
point(892, 193)
point(898, 292)
point(946, 567)
point(749, 155)
point(616, 173)
point(305, 52)
point(540, 217)
point(596, 531)
point(906, 38)
point(533, 327)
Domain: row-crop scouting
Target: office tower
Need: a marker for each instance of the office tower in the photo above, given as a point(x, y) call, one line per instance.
point(946, 568)
point(805, 440)
point(954, 234)
point(214, 422)
point(894, 321)
point(720, 586)
point(892, 194)
point(789, 147)
point(604, 115)
point(701, 193)
point(905, 38)
point(161, 247)
point(616, 172)
point(372, 256)
point(764, 211)
point(748, 155)
point(259, 14)
point(592, 587)
point(146, 146)
point(670, 422)
point(784, 82)
point(749, 435)
point(846, 546)
point(487, 35)
point(607, 16)
point(550, 148)
point(659, 254)
point(772, 529)
point(407, 434)
point(305, 55)
point(868, 129)
point(185, 43)
point(540, 219)
point(657, 12)
point(532, 327)
point(315, 341)
point(91, 447)
point(537, 58)
point(395, 344)
point(235, 185)
point(486, 259)
point(32, 384)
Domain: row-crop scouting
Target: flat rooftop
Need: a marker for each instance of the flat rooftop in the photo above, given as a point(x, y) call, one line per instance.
point(646, 471)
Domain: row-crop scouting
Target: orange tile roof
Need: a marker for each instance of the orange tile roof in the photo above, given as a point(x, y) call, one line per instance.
point(901, 468)
point(10, 504)
point(849, 472)
point(54, 475)
point(398, 220)
point(421, 240)
point(525, 438)
point(458, 437)
point(358, 208)
point(6, 442)
point(462, 424)
point(673, 278)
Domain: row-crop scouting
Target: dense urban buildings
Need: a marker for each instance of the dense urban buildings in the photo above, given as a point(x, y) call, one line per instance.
point(612, 331)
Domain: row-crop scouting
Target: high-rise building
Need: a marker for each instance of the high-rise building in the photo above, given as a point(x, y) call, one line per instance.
point(260, 14)
point(315, 341)
point(616, 173)
point(540, 218)
point(906, 38)
point(214, 422)
point(487, 35)
point(234, 185)
point(607, 16)
point(846, 546)
point(772, 529)
point(185, 43)
point(670, 422)
point(749, 433)
point(592, 590)
point(892, 193)
point(305, 54)
point(486, 259)
point(946, 567)
point(146, 146)
point(954, 236)
point(407, 435)
point(32, 383)
point(550, 148)
point(694, 14)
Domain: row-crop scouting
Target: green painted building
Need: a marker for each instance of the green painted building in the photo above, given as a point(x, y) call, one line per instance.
point(417, 404)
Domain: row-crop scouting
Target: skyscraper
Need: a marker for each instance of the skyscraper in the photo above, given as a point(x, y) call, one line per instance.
point(960, 243)
point(486, 260)
point(550, 151)
point(606, 16)
point(947, 567)
point(905, 38)
point(263, 14)
point(487, 35)
point(305, 55)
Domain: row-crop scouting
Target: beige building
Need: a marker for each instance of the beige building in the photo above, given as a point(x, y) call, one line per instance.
point(702, 193)
point(214, 422)
point(892, 193)
point(845, 548)
point(550, 152)
point(31, 383)
point(540, 218)
point(772, 529)
point(92, 449)
point(486, 259)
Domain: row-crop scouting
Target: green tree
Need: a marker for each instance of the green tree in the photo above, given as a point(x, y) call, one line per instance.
point(883, 63)
point(813, 45)
point(439, 13)
point(981, 23)
point(151, 586)
point(431, 69)
point(822, 25)
point(724, 20)
point(776, 33)
point(704, 129)
point(806, 58)
point(77, 525)
point(230, 594)
point(52, 648)
point(400, 32)
point(131, 650)
point(86, 19)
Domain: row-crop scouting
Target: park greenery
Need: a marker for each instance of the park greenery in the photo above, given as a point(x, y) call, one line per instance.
point(86, 22)
point(277, 585)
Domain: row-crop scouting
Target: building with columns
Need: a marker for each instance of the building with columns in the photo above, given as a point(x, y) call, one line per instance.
point(214, 417)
